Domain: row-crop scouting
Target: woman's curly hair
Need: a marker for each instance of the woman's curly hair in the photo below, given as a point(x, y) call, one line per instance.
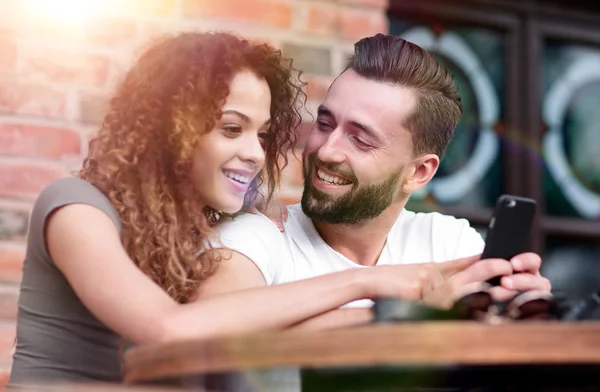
point(141, 159)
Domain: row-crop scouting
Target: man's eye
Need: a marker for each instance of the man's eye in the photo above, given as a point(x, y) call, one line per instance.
point(361, 143)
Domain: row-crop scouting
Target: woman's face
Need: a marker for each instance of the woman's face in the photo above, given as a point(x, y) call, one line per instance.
point(227, 159)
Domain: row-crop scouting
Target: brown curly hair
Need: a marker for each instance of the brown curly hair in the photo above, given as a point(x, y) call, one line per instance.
point(141, 158)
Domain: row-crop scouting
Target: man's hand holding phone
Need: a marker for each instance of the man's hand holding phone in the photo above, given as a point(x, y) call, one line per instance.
point(504, 269)
point(521, 273)
point(524, 276)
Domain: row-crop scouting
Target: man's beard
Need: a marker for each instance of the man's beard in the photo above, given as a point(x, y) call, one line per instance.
point(358, 205)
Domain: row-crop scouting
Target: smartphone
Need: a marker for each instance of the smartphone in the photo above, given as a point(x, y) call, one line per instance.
point(509, 229)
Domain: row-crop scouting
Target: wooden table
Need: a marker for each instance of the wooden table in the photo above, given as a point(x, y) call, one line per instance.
point(87, 387)
point(449, 346)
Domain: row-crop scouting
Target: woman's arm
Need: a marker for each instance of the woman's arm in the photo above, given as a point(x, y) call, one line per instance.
point(84, 244)
point(337, 318)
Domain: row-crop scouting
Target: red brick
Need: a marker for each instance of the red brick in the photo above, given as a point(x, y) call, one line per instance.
point(9, 301)
point(92, 108)
point(311, 59)
point(137, 8)
point(317, 87)
point(111, 33)
point(11, 262)
point(292, 174)
point(270, 13)
point(32, 100)
point(4, 376)
point(382, 4)
point(118, 73)
point(302, 133)
point(22, 179)
point(151, 29)
point(14, 221)
point(48, 65)
point(260, 40)
point(323, 19)
point(8, 56)
point(15, 20)
point(357, 24)
point(7, 343)
point(50, 29)
point(39, 141)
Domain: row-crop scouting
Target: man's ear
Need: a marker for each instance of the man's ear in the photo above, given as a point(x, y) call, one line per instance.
point(423, 170)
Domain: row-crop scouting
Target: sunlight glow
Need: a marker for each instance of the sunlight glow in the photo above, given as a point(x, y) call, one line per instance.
point(69, 11)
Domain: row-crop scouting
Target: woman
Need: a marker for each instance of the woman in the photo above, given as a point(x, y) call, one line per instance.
point(198, 124)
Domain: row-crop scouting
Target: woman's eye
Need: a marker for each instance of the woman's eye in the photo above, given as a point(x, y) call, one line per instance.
point(232, 130)
point(323, 126)
point(263, 137)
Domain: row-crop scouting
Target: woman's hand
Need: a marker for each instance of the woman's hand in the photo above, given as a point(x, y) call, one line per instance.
point(414, 282)
point(441, 284)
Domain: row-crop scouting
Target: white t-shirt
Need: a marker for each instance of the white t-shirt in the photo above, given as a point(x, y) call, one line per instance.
point(300, 253)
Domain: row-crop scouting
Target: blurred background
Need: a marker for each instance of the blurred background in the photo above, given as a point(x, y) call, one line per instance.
point(528, 72)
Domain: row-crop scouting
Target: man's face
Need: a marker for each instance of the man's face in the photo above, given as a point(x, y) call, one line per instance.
point(358, 153)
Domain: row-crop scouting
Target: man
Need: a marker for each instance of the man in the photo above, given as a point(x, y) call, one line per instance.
point(378, 137)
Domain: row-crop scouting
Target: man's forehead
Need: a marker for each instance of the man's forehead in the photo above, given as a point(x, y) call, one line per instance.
point(352, 95)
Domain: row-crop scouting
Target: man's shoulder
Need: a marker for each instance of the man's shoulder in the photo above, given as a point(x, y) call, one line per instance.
point(298, 224)
point(295, 212)
point(437, 227)
point(432, 218)
point(448, 237)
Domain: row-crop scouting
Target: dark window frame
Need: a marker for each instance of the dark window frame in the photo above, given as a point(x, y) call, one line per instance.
point(526, 24)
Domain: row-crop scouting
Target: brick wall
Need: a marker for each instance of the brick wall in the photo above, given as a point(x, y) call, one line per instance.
point(57, 68)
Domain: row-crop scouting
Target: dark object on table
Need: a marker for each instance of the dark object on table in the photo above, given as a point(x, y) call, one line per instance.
point(586, 309)
point(393, 310)
point(477, 305)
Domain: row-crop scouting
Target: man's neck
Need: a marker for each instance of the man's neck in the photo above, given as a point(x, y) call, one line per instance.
point(362, 243)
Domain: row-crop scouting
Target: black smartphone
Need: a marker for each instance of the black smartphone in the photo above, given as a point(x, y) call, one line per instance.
point(509, 229)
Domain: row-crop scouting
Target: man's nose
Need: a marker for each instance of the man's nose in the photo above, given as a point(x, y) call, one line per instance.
point(332, 149)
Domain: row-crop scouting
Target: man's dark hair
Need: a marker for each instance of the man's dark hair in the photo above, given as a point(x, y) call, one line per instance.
point(391, 59)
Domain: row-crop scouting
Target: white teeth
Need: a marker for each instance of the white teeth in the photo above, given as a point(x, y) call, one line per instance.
point(237, 177)
point(330, 179)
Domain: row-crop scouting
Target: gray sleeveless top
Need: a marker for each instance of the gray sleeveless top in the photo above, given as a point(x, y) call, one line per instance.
point(58, 339)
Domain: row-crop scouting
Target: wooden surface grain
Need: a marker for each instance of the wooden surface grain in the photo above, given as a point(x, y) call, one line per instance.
point(95, 387)
point(423, 343)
